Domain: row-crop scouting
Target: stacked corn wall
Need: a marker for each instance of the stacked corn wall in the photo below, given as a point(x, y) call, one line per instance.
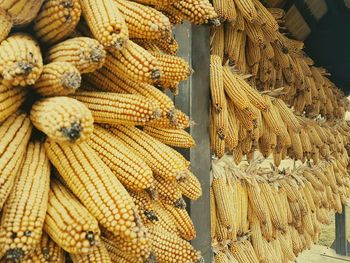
point(270, 101)
point(87, 168)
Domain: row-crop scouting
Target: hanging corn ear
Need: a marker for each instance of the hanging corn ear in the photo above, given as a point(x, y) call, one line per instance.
point(145, 205)
point(105, 22)
point(218, 99)
point(157, 2)
point(175, 119)
point(168, 45)
point(98, 254)
point(244, 252)
point(173, 68)
point(287, 115)
point(247, 9)
point(255, 34)
point(226, 10)
point(24, 212)
point(169, 192)
point(166, 221)
point(135, 252)
point(163, 160)
point(47, 251)
point(218, 126)
point(57, 20)
point(68, 222)
point(6, 24)
point(20, 60)
point(14, 135)
point(143, 21)
point(107, 201)
point(86, 54)
point(190, 187)
point(130, 169)
point(107, 80)
point(272, 119)
point(11, 98)
point(134, 62)
point(21, 11)
point(114, 108)
point(62, 119)
point(58, 79)
point(231, 139)
point(197, 12)
point(221, 257)
point(217, 45)
point(257, 238)
point(256, 202)
point(171, 137)
point(170, 248)
point(114, 253)
point(182, 221)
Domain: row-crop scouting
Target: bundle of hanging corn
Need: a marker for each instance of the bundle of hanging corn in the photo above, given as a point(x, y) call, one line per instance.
point(264, 215)
point(87, 166)
point(252, 40)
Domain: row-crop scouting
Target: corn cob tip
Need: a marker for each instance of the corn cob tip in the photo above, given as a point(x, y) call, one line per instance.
point(152, 258)
point(14, 254)
point(152, 192)
point(214, 22)
point(73, 132)
point(180, 203)
point(98, 54)
point(155, 74)
point(71, 80)
point(151, 215)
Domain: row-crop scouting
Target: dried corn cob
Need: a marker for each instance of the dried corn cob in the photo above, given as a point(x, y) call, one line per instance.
point(107, 80)
point(190, 187)
point(114, 253)
point(170, 248)
point(163, 160)
point(257, 238)
point(182, 221)
point(171, 137)
point(46, 252)
point(114, 108)
point(22, 11)
point(247, 9)
point(14, 135)
point(256, 202)
point(68, 222)
point(226, 10)
point(131, 170)
point(98, 254)
point(231, 140)
point(23, 215)
point(105, 22)
point(169, 192)
point(165, 219)
point(109, 202)
point(11, 98)
point(221, 257)
point(287, 115)
point(244, 252)
point(135, 63)
point(272, 119)
point(218, 99)
point(6, 24)
point(217, 45)
point(20, 60)
point(56, 20)
point(86, 54)
point(143, 21)
point(62, 119)
point(175, 119)
point(58, 79)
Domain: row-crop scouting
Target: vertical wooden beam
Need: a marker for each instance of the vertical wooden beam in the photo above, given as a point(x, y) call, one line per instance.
point(341, 244)
point(193, 99)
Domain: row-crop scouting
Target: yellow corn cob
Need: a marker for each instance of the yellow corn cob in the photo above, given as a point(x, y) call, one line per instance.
point(305, 141)
point(223, 195)
point(238, 96)
point(11, 98)
point(96, 187)
point(170, 248)
point(143, 21)
point(288, 117)
point(220, 127)
point(130, 169)
point(197, 12)
point(58, 79)
point(297, 146)
point(171, 137)
point(255, 200)
point(233, 40)
point(163, 160)
point(114, 108)
point(213, 213)
point(6, 23)
point(190, 186)
point(68, 223)
point(231, 139)
point(98, 254)
point(244, 252)
point(255, 34)
point(24, 212)
point(105, 22)
point(272, 119)
point(57, 20)
point(165, 220)
point(173, 68)
point(145, 206)
point(20, 60)
point(221, 232)
point(217, 44)
point(226, 10)
point(182, 221)
point(62, 119)
point(134, 62)
point(86, 54)
point(247, 9)
point(221, 257)
point(169, 192)
point(257, 238)
point(107, 80)
point(139, 251)
point(46, 252)
point(14, 135)
point(314, 137)
point(22, 11)
point(253, 53)
point(166, 44)
point(175, 119)
point(218, 99)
